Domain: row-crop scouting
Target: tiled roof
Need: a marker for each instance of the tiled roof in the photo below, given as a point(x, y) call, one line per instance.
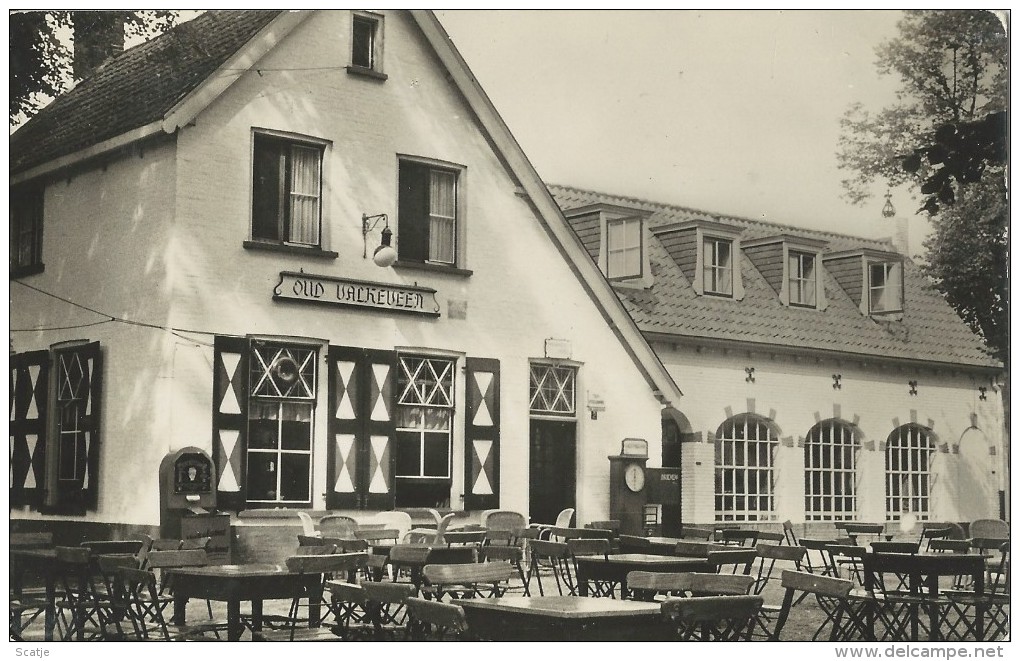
point(929, 331)
point(135, 88)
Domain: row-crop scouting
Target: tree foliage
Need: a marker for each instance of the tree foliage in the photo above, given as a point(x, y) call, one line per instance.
point(945, 138)
point(40, 58)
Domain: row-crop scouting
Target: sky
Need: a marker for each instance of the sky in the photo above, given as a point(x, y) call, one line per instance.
point(729, 111)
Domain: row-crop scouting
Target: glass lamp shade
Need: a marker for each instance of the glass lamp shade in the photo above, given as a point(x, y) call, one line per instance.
point(384, 256)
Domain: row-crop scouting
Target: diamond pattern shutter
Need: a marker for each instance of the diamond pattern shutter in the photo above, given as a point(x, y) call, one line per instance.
point(91, 359)
point(230, 399)
point(28, 401)
point(359, 470)
point(481, 438)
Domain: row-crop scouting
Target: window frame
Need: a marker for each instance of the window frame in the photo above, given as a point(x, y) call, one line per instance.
point(27, 216)
point(284, 239)
point(710, 265)
point(825, 495)
point(570, 371)
point(896, 285)
point(725, 502)
point(404, 380)
point(259, 396)
point(806, 284)
point(406, 255)
point(626, 249)
point(374, 69)
point(916, 445)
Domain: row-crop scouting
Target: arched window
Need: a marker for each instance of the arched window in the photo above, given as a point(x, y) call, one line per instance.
point(830, 466)
point(908, 455)
point(745, 449)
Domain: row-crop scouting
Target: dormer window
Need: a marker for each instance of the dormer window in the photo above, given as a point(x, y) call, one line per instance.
point(803, 282)
point(624, 248)
point(885, 286)
point(718, 266)
point(367, 45)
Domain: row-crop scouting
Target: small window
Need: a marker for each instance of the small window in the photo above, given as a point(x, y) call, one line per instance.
point(427, 226)
point(424, 421)
point(26, 213)
point(623, 247)
point(802, 279)
point(286, 191)
point(365, 41)
point(718, 267)
point(885, 286)
point(552, 390)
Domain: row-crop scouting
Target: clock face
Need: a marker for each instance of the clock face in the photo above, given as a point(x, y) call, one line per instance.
point(634, 477)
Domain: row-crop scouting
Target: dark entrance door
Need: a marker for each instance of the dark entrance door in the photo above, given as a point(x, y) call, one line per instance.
point(671, 522)
point(552, 469)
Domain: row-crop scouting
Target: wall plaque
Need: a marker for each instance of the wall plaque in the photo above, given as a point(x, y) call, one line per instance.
point(356, 293)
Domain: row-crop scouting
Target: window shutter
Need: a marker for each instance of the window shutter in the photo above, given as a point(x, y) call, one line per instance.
point(359, 470)
point(28, 401)
point(229, 427)
point(413, 212)
point(91, 357)
point(481, 437)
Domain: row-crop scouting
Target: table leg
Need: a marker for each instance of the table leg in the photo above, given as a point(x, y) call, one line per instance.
point(582, 582)
point(180, 608)
point(51, 607)
point(234, 626)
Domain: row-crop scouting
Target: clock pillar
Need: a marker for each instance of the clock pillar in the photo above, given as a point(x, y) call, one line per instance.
point(628, 495)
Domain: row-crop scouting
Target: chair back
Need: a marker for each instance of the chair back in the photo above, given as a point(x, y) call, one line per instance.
point(75, 555)
point(409, 553)
point(921, 573)
point(165, 544)
point(307, 525)
point(504, 520)
point(691, 532)
point(705, 585)
point(596, 546)
point(768, 555)
point(464, 537)
point(854, 530)
point(727, 618)
point(378, 534)
point(612, 526)
point(386, 592)
point(739, 537)
point(741, 559)
point(196, 543)
point(950, 545)
point(310, 540)
point(644, 583)
point(332, 563)
point(351, 545)
point(174, 559)
point(337, 525)
point(895, 547)
point(543, 548)
point(113, 546)
point(563, 533)
point(510, 554)
point(788, 532)
point(450, 555)
point(434, 620)
point(444, 523)
point(699, 549)
point(989, 528)
point(831, 589)
point(324, 549)
point(565, 518)
point(466, 574)
point(31, 540)
point(633, 544)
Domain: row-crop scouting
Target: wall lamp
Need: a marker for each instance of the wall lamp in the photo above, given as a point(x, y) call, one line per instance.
point(384, 255)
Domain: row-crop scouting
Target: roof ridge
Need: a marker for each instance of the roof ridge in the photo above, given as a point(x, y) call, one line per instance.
point(723, 216)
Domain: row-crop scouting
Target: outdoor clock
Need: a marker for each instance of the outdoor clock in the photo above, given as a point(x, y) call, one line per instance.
point(634, 477)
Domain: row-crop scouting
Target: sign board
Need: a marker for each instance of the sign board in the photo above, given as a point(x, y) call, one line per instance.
point(310, 288)
point(634, 447)
point(556, 348)
point(663, 486)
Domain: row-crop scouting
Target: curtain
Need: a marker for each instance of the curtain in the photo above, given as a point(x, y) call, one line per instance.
point(304, 195)
point(442, 216)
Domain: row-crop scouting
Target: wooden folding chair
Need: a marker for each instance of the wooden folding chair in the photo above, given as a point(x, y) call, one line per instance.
point(844, 619)
point(738, 559)
point(512, 555)
point(593, 547)
point(434, 620)
point(692, 532)
point(384, 604)
point(465, 581)
point(555, 558)
point(727, 618)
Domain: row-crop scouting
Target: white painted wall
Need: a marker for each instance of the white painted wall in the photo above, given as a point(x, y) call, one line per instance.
point(797, 393)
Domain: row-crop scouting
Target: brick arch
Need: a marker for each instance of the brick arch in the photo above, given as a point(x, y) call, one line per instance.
point(751, 407)
point(850, 418)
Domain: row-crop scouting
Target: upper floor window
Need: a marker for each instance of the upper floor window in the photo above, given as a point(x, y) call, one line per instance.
point(802, 279)
point(428, 213)
point(885, 286)
point(366, 41)
point(623, 245)
point(286, 191)
point(718, 266)
point(26, 213)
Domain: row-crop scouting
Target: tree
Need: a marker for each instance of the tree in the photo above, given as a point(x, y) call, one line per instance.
point(40, 60)
point(945, 135)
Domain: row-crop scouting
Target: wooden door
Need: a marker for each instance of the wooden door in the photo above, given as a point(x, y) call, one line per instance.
point(552, 469)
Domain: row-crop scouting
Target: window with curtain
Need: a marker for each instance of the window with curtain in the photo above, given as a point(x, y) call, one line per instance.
point(424, 421)
point(623, 248)
point(718, 266)
point(885, 286)
point(830, 472)
point(286, 191)
point(802, 279)
point(745, 450)
point(427, 222)
point(908, 476)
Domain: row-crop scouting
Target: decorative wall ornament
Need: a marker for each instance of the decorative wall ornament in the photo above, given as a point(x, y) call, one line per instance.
point(750, 374)
point(983, 390)
point(913, 387)
point(836, 385)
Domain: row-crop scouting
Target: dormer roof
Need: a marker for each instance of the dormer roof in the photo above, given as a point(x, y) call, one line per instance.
point(929, 330)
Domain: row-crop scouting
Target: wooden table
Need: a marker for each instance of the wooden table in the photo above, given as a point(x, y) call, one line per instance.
point(42, 563)
point(615, 567)
point(236, 583)
point(563, 618)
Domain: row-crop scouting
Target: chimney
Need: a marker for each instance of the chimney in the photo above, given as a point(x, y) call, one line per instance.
point(98, 36)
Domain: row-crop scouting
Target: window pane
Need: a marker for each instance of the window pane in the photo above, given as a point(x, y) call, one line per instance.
point(261, 478)
point(363, 38)
point(294, 477)
point(437, 455)
point(267, 183)
point(442, 215)
point(408, 454)
point(296, 429)
point(304, 195)
point(263, 424)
